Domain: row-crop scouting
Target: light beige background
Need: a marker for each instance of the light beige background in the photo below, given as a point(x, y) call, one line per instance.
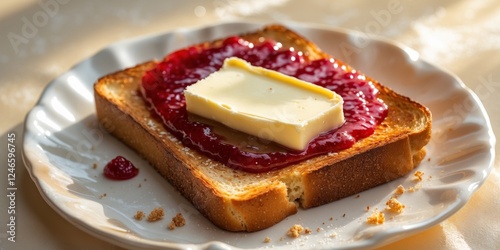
point(461, 36)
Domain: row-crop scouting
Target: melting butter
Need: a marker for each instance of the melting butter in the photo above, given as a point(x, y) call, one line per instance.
point(265, 103)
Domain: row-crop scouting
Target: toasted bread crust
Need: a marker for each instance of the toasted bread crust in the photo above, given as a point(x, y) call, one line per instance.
point(241, 201)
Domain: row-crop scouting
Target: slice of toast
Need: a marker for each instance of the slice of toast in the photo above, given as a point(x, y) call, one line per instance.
point(241, 201)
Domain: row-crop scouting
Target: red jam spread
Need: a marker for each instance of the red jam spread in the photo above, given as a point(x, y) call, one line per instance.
point(163, 88)
point(120, 169)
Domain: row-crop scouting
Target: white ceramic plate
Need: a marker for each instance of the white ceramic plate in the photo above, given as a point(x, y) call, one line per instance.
point(63, 140)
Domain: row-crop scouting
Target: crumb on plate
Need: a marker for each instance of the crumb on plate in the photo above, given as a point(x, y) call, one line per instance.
point(376, 218)
point(156, 214)
point(267, 240)
point(394, 206)
point(177, 221)
point(418, 176)
point(399, 190)
point(295, 231)
point(139, 215)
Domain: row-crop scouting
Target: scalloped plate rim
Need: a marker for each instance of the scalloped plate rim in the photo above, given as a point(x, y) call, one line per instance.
point(141, 242)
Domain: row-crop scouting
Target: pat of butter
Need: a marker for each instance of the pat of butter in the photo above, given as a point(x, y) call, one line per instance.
point(265, 103)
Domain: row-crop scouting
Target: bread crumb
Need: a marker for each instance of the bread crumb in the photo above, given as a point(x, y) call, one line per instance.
point(357, 196)
point(267, 240)
point(333, 235)
point(399, 190)
point(307, 230)
point(295, 231)
point(102, 196)
point(177, 221)
point(156, 214)
point(411, 189)
point(367, 208)
point(394, 206)
point(139, 215)
point(343, 215)
point(376, 218)
point(94, 166)
point(318, 229)
point(418, 176)
point(331, 218)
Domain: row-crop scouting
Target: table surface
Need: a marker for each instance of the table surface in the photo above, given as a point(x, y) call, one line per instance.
point(460, 36)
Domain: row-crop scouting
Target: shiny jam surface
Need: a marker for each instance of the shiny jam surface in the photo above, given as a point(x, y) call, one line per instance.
point(163, 87)
point(120, 169)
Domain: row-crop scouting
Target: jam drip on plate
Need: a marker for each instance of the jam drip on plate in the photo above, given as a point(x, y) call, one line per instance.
point(163, 87)
point(120, 169)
